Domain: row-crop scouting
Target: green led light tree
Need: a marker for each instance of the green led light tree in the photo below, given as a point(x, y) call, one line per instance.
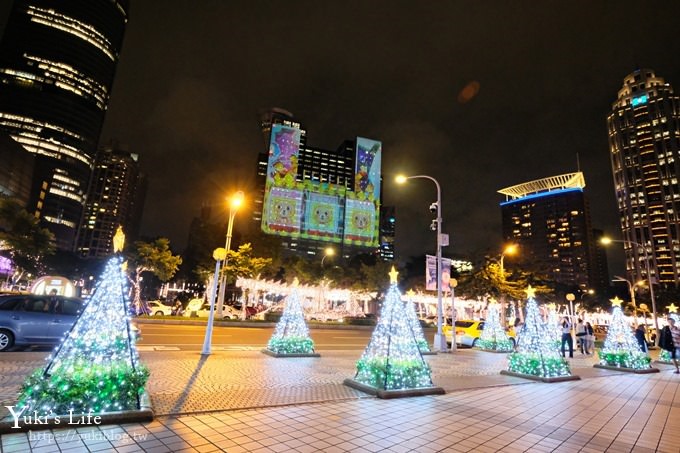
point(392, 361)
point(414, 322)
point(537, 355)
point(493, 337)
point(621, 349)
point(95, 369)
point(291, 336)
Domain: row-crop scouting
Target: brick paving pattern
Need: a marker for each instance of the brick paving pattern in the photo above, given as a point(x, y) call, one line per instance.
point(241, 400)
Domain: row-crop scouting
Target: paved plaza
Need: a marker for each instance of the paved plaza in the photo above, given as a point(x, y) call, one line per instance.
point(242, 400)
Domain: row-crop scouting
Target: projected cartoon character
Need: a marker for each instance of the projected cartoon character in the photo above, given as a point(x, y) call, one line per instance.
point(283, 152)
point(365, 157)
point(283, 215)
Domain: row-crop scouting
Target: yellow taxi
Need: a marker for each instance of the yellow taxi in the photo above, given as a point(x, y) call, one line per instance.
point(469, 331)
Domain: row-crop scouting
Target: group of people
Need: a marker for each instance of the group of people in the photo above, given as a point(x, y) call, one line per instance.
point(585, 337)
point(670, 341)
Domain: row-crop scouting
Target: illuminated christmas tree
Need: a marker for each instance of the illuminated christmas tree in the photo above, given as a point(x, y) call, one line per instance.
point(392, 360)
point(665, 356)
point(291, 336)
point(621, 349)
point(493, 336)
point(414, 322)
point(537, 354)
point(554, 324)
point(96, 367)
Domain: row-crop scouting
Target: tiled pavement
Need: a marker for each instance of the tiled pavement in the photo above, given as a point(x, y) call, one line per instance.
point(244, 401)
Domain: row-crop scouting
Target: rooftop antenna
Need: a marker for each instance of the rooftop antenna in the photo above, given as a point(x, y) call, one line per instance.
point(578, 163)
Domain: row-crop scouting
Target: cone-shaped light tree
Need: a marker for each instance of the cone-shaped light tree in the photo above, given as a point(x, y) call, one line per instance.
point(494, 337)
point(95, 369)
point(392, 360)
point(621, 349)
point(291, 335)
point(414, 322)
point(537, 354)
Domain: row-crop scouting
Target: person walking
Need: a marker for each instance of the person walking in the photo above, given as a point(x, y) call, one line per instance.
point(640, 337)
point(581, 336)
point(670, 341)
point(566, 337)
point(590, 339)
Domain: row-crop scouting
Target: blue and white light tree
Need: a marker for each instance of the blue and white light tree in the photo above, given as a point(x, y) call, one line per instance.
point(291, 335)
point(494, 337)
point(621, 349)
point(537, 354)
point(392, 360)
point(96, 368)
point(414, 322)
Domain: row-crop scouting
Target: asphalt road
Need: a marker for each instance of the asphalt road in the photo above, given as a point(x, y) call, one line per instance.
point(188, 338)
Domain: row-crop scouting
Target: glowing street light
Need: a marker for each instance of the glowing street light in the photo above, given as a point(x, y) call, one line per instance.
point(510, 249)
point(235, 202)
point(328, 251)
point(439, 338)
point(607, 241)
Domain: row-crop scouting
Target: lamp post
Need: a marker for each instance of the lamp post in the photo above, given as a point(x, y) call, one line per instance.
point(439, 338)
point(329, 251)
point(219, 254)
point(606, 241)
point(508, 250)
point(631, 291)
point(235, 202)
point(453, 283)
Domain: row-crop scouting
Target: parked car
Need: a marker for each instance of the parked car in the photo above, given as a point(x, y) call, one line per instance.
point(469, 331)
point(156, 308)
point(203, 311)
point(28, 319)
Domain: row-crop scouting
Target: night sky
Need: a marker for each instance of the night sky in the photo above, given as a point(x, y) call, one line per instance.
point(479, 95)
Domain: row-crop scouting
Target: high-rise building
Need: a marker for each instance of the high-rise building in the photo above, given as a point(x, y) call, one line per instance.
point(644, 145)
point(550, 221)
point(57, 63)
point(388, 227)
point(16, 171)
point(327, 194)
point(115, 198)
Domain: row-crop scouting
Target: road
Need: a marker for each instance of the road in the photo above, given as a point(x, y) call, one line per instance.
point(190, 338)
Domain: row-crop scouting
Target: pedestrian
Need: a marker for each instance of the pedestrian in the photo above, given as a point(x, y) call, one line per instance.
point(670, 341)
point(566, 337)
point(640, 337)
point(177, 308)
point(580, 336)
point(590, 339)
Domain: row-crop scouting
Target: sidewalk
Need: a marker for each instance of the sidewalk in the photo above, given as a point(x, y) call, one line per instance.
point(242, 400)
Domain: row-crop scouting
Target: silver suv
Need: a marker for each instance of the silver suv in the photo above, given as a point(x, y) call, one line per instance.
point(27, 319)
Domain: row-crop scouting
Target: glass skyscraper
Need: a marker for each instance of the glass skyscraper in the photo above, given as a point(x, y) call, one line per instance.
point(57, 63)
point(644, 143)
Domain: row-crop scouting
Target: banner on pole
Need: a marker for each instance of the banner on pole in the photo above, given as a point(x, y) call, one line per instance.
point(431, 273)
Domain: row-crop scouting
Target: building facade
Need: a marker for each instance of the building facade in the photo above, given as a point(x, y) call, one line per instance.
point(549, 220)
point(57, 63)
point(115, 198)
point(644, 145)
point(16, 171)
point(332, 195)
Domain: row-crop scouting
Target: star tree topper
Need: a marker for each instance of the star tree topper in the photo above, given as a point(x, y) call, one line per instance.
point(531, 292)
point(616, 302)
point(672, 308)
point(393, 275)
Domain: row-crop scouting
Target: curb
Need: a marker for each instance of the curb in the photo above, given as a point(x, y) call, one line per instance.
point(627, 370)
point(390, 394)
point(278, 355)
point(541, 379)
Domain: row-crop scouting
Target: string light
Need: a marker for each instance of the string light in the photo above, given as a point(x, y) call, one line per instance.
point(493, 337)
point(96, 366)
point(392, 360)
point(621, 348)
point(537, 354)
point(414, 322)
point(291, 335)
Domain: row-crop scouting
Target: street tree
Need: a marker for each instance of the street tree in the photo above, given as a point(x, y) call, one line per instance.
point(22, 238)
point(154, 257)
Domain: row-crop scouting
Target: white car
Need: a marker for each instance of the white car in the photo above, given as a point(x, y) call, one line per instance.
point(203, 311)
point(158, 309)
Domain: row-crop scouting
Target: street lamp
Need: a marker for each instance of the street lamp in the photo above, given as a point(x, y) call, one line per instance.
point(439, 338)
point(219, 254)
point(606, 241)
point(510, 249)
point(329, 251)
point(234, 203)
point(631, 291)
